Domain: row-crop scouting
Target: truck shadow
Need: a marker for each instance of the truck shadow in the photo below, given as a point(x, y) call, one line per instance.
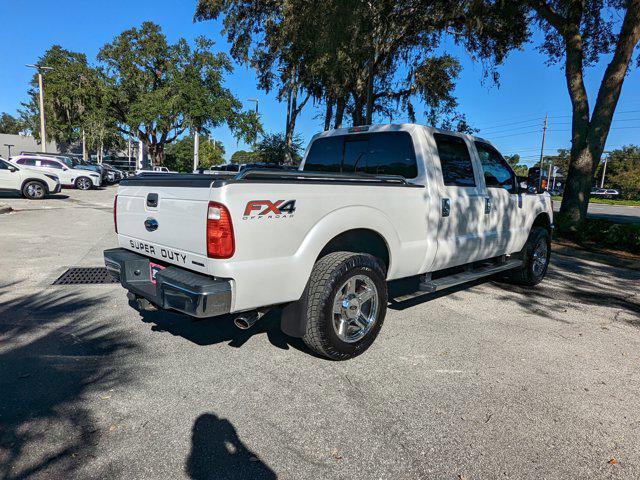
point(210, 331)
point(217, 452)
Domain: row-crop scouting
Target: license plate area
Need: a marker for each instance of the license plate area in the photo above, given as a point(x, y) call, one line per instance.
point(154, 268)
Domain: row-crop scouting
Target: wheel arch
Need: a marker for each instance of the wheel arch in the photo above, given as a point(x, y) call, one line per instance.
point(31, 179)
point(359, 240)
point(542, 220)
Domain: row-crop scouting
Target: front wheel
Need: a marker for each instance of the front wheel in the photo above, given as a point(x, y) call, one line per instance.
point(345, 303)
point(535, 257)
point(34, 190)
point(84, 183)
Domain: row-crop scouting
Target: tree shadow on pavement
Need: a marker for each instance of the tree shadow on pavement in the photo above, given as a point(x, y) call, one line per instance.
point(221, 329)
point(54, 358)
point(218, 453)
point(573, 283)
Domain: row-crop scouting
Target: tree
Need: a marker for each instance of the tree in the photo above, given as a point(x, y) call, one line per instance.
point(69, 91)
point(514, 162)
point(179, 155)
point(623, 171)
point(10, 124)
point(578, 34)
point(275, 148)
point(242, 156)
point(157, 90)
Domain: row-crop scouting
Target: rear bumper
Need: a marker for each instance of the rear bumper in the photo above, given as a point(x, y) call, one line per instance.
point(175, 289)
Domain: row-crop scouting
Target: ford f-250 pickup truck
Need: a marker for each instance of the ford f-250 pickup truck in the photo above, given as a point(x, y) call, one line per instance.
point(368, 205)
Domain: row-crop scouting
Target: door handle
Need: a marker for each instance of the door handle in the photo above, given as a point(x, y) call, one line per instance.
point(487, 205)
point(446, 207)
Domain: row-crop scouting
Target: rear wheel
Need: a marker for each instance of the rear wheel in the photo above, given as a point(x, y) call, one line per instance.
point(345, 303)
point(535, 256)
point(84, 183)
point(34, 190)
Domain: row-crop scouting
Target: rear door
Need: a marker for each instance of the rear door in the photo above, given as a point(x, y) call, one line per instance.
point(462, 202)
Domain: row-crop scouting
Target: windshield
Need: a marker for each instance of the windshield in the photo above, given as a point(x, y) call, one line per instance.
point(67, 161)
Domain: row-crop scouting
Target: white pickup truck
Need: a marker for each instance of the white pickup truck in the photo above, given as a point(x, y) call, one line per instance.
point(368, 205)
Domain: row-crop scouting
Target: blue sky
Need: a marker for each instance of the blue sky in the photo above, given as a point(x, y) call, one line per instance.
point(510, 115)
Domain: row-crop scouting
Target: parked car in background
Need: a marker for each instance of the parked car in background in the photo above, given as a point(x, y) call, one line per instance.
point(604, 192)
point(30, 183)
point(69, 177)
point(75, 163)
point(154, 170)
point(114, 175)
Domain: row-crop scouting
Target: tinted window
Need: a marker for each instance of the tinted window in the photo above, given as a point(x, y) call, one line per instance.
point(497, 173)
point(27, 161)
point(457, 169)
point(4, 165)
point(382, 153)
point(50, 164)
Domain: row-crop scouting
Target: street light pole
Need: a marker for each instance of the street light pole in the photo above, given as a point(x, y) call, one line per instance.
point(9, 145)
point(43, 137)
point(544, 136)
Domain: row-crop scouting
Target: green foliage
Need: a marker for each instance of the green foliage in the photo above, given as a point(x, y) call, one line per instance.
point(514, 162)
point(157, 90)
point(273, 148)
point(179, 155)
point(623, 171)
point(10, 124)
point(367, 58)
point(602, 233)
point(70, 90)
point(242, 156)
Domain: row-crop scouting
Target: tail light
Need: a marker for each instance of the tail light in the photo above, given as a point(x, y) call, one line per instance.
point(220, 241)
point(115, 213)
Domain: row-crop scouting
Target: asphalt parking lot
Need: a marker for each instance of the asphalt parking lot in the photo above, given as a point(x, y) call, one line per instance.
point(487, 381)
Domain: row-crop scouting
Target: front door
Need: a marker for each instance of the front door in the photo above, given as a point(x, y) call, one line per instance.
point(462, 203)
point(8, 178)
point(503, 221)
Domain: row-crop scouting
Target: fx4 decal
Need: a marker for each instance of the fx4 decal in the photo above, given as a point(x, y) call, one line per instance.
point(269, 209)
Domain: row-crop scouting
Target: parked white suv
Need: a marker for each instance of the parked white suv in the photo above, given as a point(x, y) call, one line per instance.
point(30, 183)
point(69, 177)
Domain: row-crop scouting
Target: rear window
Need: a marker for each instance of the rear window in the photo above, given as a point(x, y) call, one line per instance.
point(457, 169)
point(381, 153)
point(26, 161)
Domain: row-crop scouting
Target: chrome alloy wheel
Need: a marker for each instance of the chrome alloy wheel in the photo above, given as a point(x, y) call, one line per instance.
point(540, 255)
point(35, 190)
point(355, 308)
point(84, 183)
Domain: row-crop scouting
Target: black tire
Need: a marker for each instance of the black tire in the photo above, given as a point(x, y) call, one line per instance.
point(328, 276)
point(84, 183)
point(531, 274)
point(34, 190)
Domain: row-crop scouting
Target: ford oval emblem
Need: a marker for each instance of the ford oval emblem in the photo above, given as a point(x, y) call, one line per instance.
point(151, 224)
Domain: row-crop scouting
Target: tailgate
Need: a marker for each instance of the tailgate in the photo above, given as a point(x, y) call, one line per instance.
point(165, 222)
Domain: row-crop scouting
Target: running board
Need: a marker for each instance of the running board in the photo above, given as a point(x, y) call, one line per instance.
point(468, 276)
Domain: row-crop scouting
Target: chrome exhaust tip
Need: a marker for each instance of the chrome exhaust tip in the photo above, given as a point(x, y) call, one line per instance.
point(248, 319)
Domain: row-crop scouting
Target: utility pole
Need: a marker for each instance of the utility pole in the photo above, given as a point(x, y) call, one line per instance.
point(196, 150)
point(549, 174)
point(544, 136)
point(604, 172)
point(43, 137)
point(9, 145)
point(84, 146)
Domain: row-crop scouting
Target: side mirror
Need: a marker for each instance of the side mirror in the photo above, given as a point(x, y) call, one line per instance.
point(12, 168)
point(65, 169)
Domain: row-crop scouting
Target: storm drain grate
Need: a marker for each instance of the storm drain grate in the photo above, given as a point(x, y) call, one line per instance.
point(85, 276)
